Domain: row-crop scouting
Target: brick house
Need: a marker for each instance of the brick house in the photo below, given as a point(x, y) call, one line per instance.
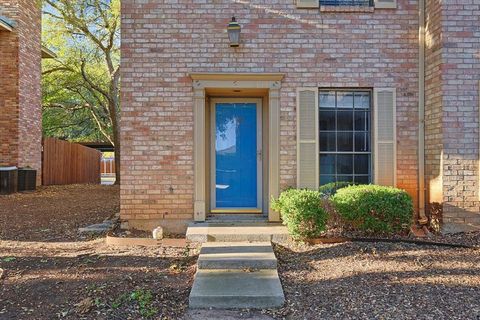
point(380, 91)
point(20, 92)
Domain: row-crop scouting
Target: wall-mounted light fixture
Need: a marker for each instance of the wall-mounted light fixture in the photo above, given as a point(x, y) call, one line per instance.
point(233, 30)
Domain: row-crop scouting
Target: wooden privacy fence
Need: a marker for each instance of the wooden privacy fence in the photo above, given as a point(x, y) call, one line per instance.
point(108, 166)
point(69, 163)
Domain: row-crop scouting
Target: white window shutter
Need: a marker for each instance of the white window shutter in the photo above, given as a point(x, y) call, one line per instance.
point(307, 138)
point(385, 4)
point(308, 4)
point(385, 133)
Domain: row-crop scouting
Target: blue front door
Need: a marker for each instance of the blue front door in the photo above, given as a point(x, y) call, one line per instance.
point(236, 156)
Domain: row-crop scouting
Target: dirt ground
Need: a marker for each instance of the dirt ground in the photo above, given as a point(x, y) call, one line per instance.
point(54, 213)
point(47, 271)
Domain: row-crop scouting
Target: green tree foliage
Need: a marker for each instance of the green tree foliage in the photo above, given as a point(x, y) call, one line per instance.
point(81, 86)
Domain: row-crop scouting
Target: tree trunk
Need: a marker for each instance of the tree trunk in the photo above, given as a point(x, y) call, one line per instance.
point(117, 154)
point(114, 115)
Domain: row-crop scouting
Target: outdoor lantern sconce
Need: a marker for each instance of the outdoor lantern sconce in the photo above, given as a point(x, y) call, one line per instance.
point(233, 30)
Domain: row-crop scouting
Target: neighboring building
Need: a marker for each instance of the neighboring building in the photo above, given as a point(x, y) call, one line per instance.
point(20, 92)
point(317, 91)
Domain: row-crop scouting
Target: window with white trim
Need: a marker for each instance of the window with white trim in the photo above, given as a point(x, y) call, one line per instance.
point(345, 135)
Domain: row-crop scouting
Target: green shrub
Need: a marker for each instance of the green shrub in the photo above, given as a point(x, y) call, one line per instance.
point(374, 208)
point(331, 188)
point(302, 212)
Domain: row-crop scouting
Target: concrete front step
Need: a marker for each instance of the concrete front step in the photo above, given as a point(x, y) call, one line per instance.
point(236, 231)
point(237, 255)
point(224, 289)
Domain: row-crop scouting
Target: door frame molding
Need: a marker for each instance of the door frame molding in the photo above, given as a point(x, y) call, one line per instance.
point(201, 83)
point(259, 134)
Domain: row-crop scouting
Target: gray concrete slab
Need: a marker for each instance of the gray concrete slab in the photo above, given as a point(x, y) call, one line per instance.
point(224, 289)
point(234, 232)
point(97, 228)
point(237, 255)
point(202, 314)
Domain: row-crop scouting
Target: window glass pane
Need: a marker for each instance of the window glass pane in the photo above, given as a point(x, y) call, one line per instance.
point(327, 120)
point(327, 164)
point(344, 164)
point(362, 121)
point(345, 178)
point(326, 179)
point(362, 164)
point(344, 131)
point(345, 100)
point(345, 120)
point(345, 141)
point(327, 141)
point(362, 179)
point(327, 99)
point(362, 141)
point(362, 100)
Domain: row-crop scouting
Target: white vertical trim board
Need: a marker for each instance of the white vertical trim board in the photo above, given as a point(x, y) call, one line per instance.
point(307, 138)
point(385, 136)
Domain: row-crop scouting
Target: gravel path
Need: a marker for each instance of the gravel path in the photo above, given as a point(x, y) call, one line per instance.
point(379, 281)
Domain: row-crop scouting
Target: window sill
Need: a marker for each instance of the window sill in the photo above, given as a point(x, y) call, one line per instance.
point(325, 8)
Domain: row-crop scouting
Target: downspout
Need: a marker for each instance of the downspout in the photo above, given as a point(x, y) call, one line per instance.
point(421, 219)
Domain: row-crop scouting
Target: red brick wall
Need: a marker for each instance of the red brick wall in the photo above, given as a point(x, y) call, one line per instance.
point(20, 92)
point(452, 122)
point(461, 76)
point(164, 41)
point(8, 89)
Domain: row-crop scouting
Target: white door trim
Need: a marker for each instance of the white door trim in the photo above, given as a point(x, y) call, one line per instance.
point(259, 208)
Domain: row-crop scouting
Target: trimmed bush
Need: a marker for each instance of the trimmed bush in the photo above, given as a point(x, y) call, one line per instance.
point(302, 212)
point(331, 188)
point(374, 208)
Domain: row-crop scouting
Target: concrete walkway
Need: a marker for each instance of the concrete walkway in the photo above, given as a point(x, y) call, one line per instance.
point(236, 275)
point(199, 314)
point(234, 231)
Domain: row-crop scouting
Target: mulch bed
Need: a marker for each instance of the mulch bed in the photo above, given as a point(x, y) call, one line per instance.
point(358, 280)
